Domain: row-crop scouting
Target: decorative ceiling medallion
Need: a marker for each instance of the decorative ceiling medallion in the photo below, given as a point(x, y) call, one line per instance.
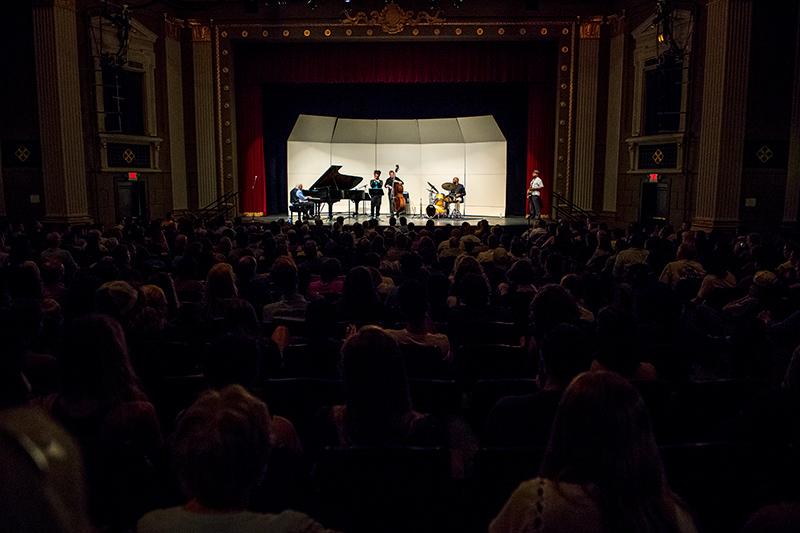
point(543, 31)
point(265, 33)
point(658, 156)
point(348, 32)
point(479, 31)
point(327, 32)
point(501, 31)
point(244, 33)
point(392, 18)
point(307, 33)
point(764, 154)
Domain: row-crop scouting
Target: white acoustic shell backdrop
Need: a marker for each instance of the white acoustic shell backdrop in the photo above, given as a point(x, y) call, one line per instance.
point(427, 150)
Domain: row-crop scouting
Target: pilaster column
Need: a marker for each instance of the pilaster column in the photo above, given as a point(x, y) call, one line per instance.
point(586, 113)
point(58, 91)
point(616, 66)
point(2, 190)
point(727, 59)
point(790, 205)
point(204, 114)
point(177, 140)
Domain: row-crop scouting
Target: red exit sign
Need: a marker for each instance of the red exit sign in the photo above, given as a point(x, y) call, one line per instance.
point(653, 178)
point(133, 176)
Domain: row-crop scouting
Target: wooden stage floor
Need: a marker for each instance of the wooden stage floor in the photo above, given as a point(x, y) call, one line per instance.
point(516, 221)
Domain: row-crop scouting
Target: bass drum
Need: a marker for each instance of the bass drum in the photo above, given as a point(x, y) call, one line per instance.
point(430, 211)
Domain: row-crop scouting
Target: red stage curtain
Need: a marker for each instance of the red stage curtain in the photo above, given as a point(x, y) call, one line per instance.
point(541, 140)
point(520, 62)
point(251, 150)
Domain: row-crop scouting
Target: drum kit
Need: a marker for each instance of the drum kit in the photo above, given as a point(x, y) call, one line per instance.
point(437, 201)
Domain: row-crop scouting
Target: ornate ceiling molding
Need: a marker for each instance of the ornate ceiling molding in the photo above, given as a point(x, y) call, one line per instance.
point(392, 19)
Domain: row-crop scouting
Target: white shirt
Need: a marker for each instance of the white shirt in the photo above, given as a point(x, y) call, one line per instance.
point(536, 185)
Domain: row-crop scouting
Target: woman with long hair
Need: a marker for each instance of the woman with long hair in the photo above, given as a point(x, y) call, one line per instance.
point(220, 287)
point(102, 405)
point(602, 471)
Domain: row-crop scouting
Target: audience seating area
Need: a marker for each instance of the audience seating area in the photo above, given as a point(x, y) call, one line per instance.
point(486, 327)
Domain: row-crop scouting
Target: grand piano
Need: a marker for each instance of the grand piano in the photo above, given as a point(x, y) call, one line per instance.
point(333, 186)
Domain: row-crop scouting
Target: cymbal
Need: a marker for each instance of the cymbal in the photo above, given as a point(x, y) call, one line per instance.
point(448, 185)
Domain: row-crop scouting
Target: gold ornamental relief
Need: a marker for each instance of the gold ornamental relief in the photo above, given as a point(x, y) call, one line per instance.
point(200, 32)
point(591, 28)
point(392, 18)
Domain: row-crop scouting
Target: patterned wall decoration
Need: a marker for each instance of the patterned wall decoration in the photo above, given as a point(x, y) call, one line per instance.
point(389, 24)
point(658, 156)
point(766, 154)
point(21, 154)
point(121, 155)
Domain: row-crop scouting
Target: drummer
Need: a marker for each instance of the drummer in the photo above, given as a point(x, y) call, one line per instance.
point(457, 191)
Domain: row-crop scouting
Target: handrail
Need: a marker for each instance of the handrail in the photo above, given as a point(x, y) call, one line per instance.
point(571, 209)
point(221, 206)
point(219, 200)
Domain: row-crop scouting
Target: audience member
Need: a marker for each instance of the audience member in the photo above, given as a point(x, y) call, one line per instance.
point(378, 407)
point(602, 470)
point(220, 452)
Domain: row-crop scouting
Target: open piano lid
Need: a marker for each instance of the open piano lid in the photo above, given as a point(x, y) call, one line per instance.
point(331, 179)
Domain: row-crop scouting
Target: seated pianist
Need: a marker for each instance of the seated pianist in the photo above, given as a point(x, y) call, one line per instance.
point(299, 200)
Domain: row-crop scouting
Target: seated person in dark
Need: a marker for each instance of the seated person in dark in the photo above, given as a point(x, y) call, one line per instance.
point(220, 453)
point(525, 420)
point(377, 409)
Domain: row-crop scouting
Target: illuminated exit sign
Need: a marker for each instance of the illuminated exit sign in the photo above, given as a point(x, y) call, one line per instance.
point(133, 176)
point(653, 178)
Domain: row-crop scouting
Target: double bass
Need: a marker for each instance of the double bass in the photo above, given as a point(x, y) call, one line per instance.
point(397, 193)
